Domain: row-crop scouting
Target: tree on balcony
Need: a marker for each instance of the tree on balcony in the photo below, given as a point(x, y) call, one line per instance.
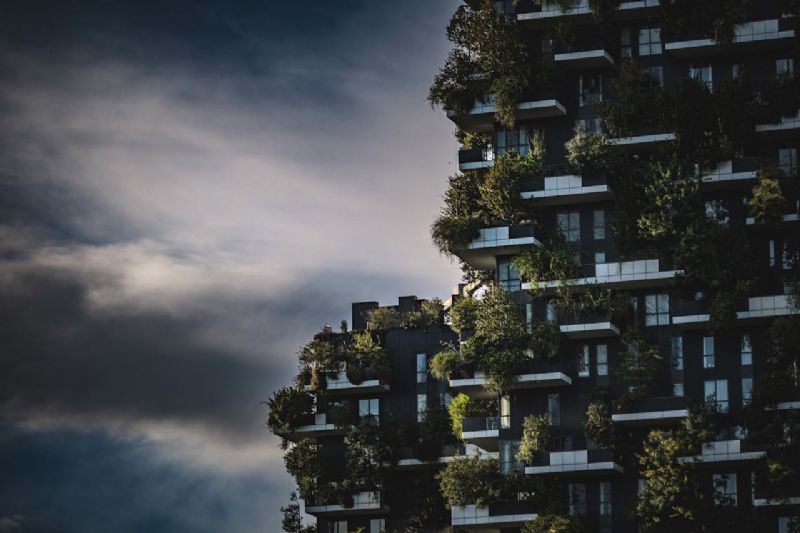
point(587, 152)
point(288, 407)
point(366, 359)
point(768, 203)
point(427, 507)
point(488, 57)
point(471, 481)
point(367, 450)
point(464, 314)
point(552, 261)
point(303, 463)
point(717, 19)
point(462, 406)
point(554, 523)
point(292, 521)
point(461, 217)
point(638, 366)
point(500, 191)
point(598, 425)
point(638, 100)
point(535, 437)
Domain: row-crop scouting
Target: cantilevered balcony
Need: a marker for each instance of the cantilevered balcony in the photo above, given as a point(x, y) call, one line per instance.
point(363, 503)
point(589, 326)
point(696, 315)
point(481, 117)
point(567, 189)
point(578, 462)
point(475, 158)
point(789, 217)
point(725, 451)
point(652, 411)
point(641, 142)
point(495, 516)
point(338, 384)
point(580, 12)
point(475, 386)
point(731, 172)
point(786, 126)
point(482, 431)
point(626, 275)
point(492, 242)
point(410, 458)
point(315, 425)
point(753, 35)
point(587, 52)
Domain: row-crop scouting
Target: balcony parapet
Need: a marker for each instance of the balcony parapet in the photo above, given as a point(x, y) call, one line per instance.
point(638, 142)
point(758, 307)
point(576, 462)
point(786, 124)
point(500, 515)
point(491, 242)
point(596, 58)
point(483, 432)
point(363, 503)
point(475, 387)
point(725, 451)
point(317, 426)
point(730, 171)
point(481, 117)
point(789, 217)
point(475, 158)
point(566, 190)
point(756, 34)
point(338, 384)
point(653, 411)
point(628, 274)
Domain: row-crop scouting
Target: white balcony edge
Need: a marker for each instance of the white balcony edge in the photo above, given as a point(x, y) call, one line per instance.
point(583, 467)
point(763, 502)
point(650, 415)
point(594, 329)
point(642, 139)
point(584, 55)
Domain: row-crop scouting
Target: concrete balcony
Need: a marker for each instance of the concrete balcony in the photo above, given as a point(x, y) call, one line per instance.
point(581, 13)
point(578, 462)
point(492, 517)
point(641, 142)
point(363, 503)
point(730, 172)
point(338, 384)
point(776, 502)
point(725, 451)
point(590, 330)
point(410, 458)
point(758, 308)
point(625, 275)
point(481, 117)
point(475, 159)
point(475, 387)
point(789, 217)
point(653, 411)
point(786, 125)
point(491, 242)
point(483, 432)
point(317, 426)
point(753, 35)
point(568, 189)
point(585, 59)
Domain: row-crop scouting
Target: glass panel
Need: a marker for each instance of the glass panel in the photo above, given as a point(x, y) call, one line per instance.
point(583, 361)
point(677, 353)
point(599, 224)
point(602, 360)
point(746, 351)
point(554, 409)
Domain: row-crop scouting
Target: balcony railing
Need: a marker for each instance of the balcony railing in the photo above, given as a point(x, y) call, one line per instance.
point(540, 375)
point(363, 503)
point(727, 451)
point(497, 515)
point(653, 410)
point(577, 461)
point(756, 34)
point(628, 274)
point(475, 158)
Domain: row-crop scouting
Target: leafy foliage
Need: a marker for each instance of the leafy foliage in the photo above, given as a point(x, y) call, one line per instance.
point(303, 463)
point(428, 508)
point(384, 318)
point(444, 363)
point(501, 190)
point(535, 437)
point(598, 425)
point(554, 523)
point(467, 481)
point(292, 521)
point(461, 217)
point(545, 339)
point(366, 359)
point(287, 409)
point(717, 19)
point(367, 450)
point(587, 152)
point(462, 406)
point(639, 362)
point(768, 203)
point(553, 261)
point(639, 101)
point(464, 314)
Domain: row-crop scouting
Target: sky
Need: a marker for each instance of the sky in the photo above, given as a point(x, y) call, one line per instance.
point(188, 191)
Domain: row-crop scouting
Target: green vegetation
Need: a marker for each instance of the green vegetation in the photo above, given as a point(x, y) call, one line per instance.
point(587, 152)
point(464, 314)
point(535, 437)
point(471, 480)
point(768, 203)
point(292, 521)
point(554, 523)
point(598, 425)
point(462, 406)
point(288, 408)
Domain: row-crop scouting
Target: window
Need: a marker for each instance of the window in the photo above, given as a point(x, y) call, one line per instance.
point(377, 525)
point(422, 368)
point(508, 456)
point(786, 257)
point(725, 489)
point(746, 350)
point(771, 253)
point(569, 224)
point(583, 362)
point(649, 41)
point(591, 89)
point(515, 141)
point(445, 399)
point(577, 499)
point(708, 352)
point(338, 527)
point(656, 75)
point(717, 211)
point(702, 75)
point(548, 45)
point(716, 394)
point(599, 218)
point(602, 360)
point(787, 161)
point(504, 7)
point(626, 43)
point(640, 486)
point(736, 71)
point(605, 498)
point(422, 406)
point(677, 389)
point(507, 274)
point(554, 409)
point(747, 391)
point(551, 312)
point(505, 412)
point(599, 258)
point(591, 125)
point(677, 353)
point(788, 524)
point(369, 407)
point(784, 67)
point(656, 310)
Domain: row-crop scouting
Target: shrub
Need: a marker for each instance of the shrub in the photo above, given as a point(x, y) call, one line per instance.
point(461, 216)
point(553, 523)
point(501, 190)
point(553, 261)
point(432, 312)
point(303, 463)
point(434, 432)
point(598, 425)
point(367, 450)
point(367, 359)
point(287, 409)
point(444, 363)
point(320, 354)
point(384, 318)
point(639, 362)
point(545, 340)
point(768, 203)
point(341, 414)
point(535, 437)
point(587, 152)
point(458, 409)
point(638, 100)
point(464, 314)
point(467, 481)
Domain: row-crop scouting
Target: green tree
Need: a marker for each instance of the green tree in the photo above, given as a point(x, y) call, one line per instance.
point(292, 519)
point(468, 481)
point(535, 437)
point(553, 523)
point(768, 203)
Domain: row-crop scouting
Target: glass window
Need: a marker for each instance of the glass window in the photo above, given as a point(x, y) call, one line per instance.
point(515, 141)
point(702, 75)
point(508, 456)
point(736, 71)
point(656, 75)
point(788, 524)
point(591, 89)
point(599, 258)
point(717, 210)
point(725, 489)
point(771, 253)
point(626, 43)
point(787, 161)
point(377, 525)
point(369, 407)
point(784, 67)
point(599, 218)
point(554, 409)
point(656, 310)
point(422, 368)
point(569, 223)
point(677, 353)
point(709, 359)
point(505, 412)
point(649, 41)
point(507, 274)
point(591, 125)
point(339, 526)
point(677, 389)
point(551, 312)
point(445, 399)
point(422, 406)
point(747, 390)
point(602, 359)
point(605, 498)
point(746, 350)
point(716, 394)
point(583, 361)
point(640, 486)
point(577, 499)
point(786, 257)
